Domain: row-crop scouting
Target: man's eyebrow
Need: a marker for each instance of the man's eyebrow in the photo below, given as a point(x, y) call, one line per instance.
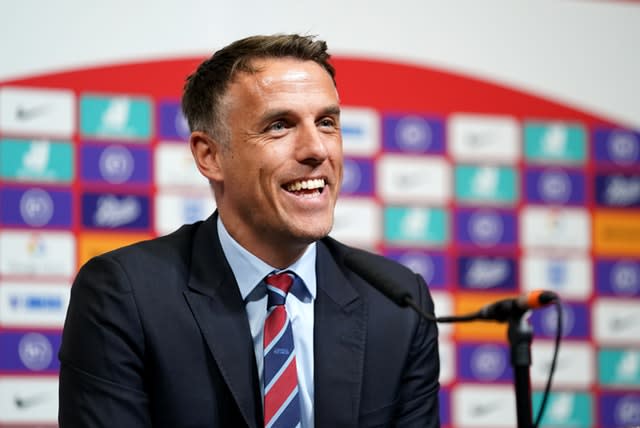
point(332, 110)
point(270, 115)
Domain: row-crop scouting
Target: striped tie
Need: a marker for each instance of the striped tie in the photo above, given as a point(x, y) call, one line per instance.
point(281, 403)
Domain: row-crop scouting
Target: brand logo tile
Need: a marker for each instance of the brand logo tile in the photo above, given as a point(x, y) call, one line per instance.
point(576, 321)
point(620, 277)
point(29, 352)
point(35, 207)
point(172, 125)
point(559, 143)
point(115, 117)
point(111, 211)
point(566, 409)
point(360, 129)
point(476, 138)
point(416, 226)
point(483, 406)
point(486, 184)
point(618, 190)
point(28, 400)
point(616, 233)
point(413, 134)
point(466, 302)
point(413, 179)
point(115, 164)
point(172, 211)
point(574, 365)
point(174, 167)
point(358, 177)
point(37, 253)
point(357, 221)
point(486, 228)
point(488, 273)
point(432, 266)
point(91, 244)
point(33, 304)
point(548, 228)
point(619, 367)
point(619, 409)
point(34, 111)
point(616, 321)
point(36, 160)
point(484, 363)
point(570, 277)
point(618, 146)
point(555, 186)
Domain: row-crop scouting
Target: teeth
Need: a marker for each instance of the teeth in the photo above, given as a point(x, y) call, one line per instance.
point(317, 183)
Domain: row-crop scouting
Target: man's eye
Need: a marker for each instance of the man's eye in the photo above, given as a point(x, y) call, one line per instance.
point(277, 126)
point(327, 122)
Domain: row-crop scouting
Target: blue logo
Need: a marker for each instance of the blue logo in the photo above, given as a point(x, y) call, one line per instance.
point(555, 186)
point(576, 321)
point(619, 410)
point(486, 228)
point(358, 177)
point(116, 164)
point(172, 123)
point(566, 409)
point(557, 143)
point(484, 363)
point(413, 134)
point(416, 225)
point(430, 265)
point(619, 367)
point(486, 184)
point(618, 190)
point(29, 352)
point(618, 146)
point(115, 117)
point(35, 207)
point(618, 277)
point(110, 211)
point(490, 272)
point(37, 160)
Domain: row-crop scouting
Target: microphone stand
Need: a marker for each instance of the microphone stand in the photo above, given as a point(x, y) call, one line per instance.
point(520, 335)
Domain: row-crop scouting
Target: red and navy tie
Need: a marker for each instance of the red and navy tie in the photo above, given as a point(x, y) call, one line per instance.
point(281, 402)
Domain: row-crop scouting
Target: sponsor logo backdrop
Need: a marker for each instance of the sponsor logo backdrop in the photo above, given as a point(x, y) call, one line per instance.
point(485, 191)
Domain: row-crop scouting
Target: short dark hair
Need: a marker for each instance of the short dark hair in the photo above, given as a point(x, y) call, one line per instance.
point(205, 88)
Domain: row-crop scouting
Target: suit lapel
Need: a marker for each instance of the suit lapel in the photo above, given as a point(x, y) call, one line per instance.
point(219, 310)
point(339, 345)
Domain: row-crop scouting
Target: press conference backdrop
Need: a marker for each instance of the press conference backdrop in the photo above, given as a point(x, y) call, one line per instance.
point(486, 190)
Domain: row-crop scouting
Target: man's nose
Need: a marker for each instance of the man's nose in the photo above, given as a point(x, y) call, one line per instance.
point(312, 145)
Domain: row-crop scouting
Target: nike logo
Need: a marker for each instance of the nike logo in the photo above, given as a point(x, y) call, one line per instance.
point(480, 410)
point(25, 402)
point(623, 323)
point(24, 113)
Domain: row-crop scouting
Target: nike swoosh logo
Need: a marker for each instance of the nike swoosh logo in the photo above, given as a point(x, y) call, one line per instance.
point(484, 409)
point(31, 400)
point(623, 323)
point(24, 113)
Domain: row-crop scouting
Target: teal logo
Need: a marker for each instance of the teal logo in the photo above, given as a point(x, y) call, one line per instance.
point(36, 160)
point(619, 367)
point(486, 184)
point(416, 225)
point(565, 409)
point(555, 142)
point(115, 117)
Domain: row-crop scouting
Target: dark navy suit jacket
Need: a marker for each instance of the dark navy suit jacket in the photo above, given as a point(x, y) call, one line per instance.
point(157, 335)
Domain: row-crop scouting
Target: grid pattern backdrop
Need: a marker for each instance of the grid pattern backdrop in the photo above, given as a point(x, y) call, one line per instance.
point(485, 191)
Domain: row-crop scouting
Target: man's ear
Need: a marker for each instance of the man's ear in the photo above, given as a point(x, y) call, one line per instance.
point(206, 153)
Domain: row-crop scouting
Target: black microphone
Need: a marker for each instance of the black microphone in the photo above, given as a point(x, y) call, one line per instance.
point(504, 309)
point(364, 265)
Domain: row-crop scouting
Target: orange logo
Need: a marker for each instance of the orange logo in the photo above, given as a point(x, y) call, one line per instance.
point(616, 233)
point(94, 244)
point(466, 303)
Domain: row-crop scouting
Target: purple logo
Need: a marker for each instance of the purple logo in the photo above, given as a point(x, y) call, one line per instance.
point(618, 190)
point(618, 277)
point(413, 134)
point(29, 352)
point(116, 164)
point(431, 266)
point(358, 177)
point(487, 273)
point(172, 123)
point(575, 321)
point(618, 146)
point(486, 228)
point(555, 186)
point(483, 363)
point(444, 397)
point(110, 211)
point(35, 207)
point(619, 410)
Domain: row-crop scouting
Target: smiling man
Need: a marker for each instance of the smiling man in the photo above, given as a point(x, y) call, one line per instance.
point(251, 318)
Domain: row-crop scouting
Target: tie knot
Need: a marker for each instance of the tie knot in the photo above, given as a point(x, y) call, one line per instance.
point(278, 286)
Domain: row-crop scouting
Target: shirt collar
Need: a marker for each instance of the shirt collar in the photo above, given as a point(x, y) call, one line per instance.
point(249, 270)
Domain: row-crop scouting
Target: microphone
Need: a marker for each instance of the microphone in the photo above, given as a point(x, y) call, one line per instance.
point(504, 309)
point(364, 265)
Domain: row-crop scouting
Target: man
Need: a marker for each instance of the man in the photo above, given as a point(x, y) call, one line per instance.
point(179, 331)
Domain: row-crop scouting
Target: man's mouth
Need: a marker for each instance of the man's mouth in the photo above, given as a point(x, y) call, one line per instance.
point(309, 187)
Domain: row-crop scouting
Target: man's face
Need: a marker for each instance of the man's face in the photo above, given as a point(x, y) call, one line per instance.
point(282, 171)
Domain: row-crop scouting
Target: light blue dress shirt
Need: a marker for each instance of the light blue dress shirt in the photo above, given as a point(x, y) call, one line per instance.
point(249, 272)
